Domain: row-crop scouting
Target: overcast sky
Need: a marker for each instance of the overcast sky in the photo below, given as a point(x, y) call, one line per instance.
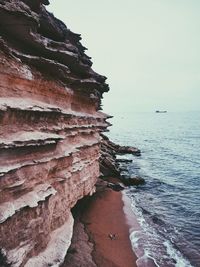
point(148, 49)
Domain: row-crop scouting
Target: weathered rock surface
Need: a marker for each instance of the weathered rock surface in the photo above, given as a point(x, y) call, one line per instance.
point(116, 186)
point(109, 164)
point(50, 132)
point(128, 181)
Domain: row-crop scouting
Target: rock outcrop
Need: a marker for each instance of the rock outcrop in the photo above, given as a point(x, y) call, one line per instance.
point(50, 132)
point(109, 164)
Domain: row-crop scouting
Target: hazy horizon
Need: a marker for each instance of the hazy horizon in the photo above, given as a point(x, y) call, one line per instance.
point(148, 49)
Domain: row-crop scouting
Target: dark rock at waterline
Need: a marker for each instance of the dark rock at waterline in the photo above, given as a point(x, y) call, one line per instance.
point(122, 169)
point(109, 164)
point(124, 160)
point(129, 150)
point(129, 181)
point(117, 149)
point(108, 167)
point(116, 187)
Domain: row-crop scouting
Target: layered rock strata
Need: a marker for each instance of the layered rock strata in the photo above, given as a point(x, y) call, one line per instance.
point(50, 132)
point(109, 164)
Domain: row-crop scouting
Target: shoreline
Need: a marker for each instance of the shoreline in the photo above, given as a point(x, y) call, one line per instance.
point(103, 232)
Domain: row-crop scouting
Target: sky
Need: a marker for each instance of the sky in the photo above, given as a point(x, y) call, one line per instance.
point(148, 49)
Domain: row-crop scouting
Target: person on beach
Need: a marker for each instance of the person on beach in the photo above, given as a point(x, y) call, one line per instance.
point(112, 236)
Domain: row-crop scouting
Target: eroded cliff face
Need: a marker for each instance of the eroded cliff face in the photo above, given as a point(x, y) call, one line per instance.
point(50, 132)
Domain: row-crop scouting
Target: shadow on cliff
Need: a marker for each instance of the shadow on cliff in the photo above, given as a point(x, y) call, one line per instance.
point(3, 260)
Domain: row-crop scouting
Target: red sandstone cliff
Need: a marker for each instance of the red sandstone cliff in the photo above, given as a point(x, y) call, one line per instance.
point(49, 134)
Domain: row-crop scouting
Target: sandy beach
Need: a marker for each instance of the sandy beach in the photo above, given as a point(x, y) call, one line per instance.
point(105, 223)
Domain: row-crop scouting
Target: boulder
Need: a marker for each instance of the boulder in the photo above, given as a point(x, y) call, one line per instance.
point(109, 164)
point(124, 160)
point(129, 181)
point(116, 187)
point(129, 150)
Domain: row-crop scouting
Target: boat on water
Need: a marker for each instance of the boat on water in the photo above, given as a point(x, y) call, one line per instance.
point(161, 111)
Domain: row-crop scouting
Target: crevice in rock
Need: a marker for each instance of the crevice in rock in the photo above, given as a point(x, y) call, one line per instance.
point(3, 260)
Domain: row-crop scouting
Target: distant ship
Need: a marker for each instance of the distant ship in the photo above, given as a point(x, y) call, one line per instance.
point(161, 111)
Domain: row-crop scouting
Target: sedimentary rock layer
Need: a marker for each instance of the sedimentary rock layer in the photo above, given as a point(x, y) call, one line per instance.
point(50, 127)
point(109, 164)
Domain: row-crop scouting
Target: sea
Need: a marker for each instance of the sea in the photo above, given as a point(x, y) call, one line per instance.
point(167, 206)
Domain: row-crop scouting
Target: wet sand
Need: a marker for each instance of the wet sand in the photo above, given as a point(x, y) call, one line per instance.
point(103, 218)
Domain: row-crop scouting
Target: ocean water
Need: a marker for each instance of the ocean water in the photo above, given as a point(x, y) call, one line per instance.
point(168, 205)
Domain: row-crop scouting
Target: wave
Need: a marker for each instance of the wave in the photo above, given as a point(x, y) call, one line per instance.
point(176, 255)
point(152, 246)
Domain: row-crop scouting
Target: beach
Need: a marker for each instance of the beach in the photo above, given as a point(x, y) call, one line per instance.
point(102, 229)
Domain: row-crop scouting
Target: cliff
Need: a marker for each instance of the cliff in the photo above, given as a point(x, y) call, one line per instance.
point(50, 133)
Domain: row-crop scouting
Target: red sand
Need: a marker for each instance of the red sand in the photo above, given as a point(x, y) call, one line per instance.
point(103, 216)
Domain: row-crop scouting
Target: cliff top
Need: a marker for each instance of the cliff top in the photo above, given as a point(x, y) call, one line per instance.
point(31, 34)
